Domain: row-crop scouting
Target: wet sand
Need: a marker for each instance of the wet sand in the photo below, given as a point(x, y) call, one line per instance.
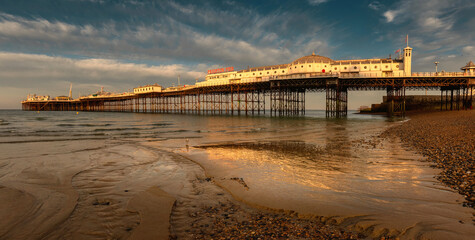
point(448, 140)
point(116, 189)
point(439, 215)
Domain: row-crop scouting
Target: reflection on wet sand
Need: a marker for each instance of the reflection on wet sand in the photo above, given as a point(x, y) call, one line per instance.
point(112, 175)
point(375, 190)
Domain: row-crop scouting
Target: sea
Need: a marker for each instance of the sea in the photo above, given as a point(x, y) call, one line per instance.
point(55, 165)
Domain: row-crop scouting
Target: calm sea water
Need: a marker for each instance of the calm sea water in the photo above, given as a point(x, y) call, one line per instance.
point(55, 164)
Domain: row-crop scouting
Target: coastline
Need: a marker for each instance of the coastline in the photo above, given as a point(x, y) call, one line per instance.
point(152, 188)
point(448, 140)
point(239, 219)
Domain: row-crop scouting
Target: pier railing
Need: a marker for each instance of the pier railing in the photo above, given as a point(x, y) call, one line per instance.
point(286, 94)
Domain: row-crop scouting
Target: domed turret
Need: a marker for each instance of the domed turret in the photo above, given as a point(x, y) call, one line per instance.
point(313, 59)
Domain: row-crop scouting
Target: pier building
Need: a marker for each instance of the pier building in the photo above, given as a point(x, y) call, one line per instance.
point(469, 68)
point(148, 89)
point(316, 64)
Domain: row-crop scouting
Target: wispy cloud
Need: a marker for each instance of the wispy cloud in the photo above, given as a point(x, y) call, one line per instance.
point(317, 2)
point(40, 73)
point(168, 40)
point(390, 15)
point(375, 5)
point(435, 30)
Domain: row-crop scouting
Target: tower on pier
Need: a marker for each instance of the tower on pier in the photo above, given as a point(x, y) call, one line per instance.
point(407, 58)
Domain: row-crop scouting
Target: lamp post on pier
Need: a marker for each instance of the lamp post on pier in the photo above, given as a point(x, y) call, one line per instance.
point(436, 67)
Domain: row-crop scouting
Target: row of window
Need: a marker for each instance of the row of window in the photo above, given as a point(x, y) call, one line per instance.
point(283, 71)
point(355, 67)
point(143, 89)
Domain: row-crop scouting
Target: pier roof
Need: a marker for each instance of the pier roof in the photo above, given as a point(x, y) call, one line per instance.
point(313, 58)
point(470, 65)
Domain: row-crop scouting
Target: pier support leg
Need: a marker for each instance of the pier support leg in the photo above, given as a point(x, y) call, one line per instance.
point(396, 99)
point(336, 102)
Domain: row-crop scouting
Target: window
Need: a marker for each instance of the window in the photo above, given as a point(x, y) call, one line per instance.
point(253, 73)
point(302, 66)
point(309, 65)
point(267, 72)
point(355, 67)
point(275, 71)
point(397, 66)
point(260, 73)
point(375, 67)
point(325, 65)
point(239, 74)
point(365, 67)
point(345, 68)
point(295, 66)
point(387, 66)
point(283, 71)
point(335, 68)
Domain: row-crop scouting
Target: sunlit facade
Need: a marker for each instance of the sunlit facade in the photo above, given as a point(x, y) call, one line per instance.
point(318, 65)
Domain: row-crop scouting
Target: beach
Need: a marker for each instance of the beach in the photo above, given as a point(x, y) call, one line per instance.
point(447, 139)
point(147, 176)
point(444, 138)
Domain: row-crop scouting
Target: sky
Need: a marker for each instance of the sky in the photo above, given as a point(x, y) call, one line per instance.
point(47, 45)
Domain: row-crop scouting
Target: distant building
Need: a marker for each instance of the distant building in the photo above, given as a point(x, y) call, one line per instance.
point(469, 68)
point(62, 98)
point(38, 98)
point(148, 89)
point(316, 65)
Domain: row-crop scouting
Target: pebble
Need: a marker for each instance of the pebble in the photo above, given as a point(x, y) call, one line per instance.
point(447, 139)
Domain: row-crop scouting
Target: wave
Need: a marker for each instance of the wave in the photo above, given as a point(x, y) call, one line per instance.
point(161, 124)
point(116, 129)
point(83, 125)
point(94, 125)
point(52, 140)
point(65, 125)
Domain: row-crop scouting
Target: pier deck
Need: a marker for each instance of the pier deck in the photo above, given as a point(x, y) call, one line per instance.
point(286, 96)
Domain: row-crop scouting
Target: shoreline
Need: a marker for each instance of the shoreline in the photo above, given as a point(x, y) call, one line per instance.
point(264, 222)
point(233, 218)
point(447, 139)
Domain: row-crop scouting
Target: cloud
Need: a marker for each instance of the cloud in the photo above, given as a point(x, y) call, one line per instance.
point(376, 5)
point(390, 15)
point(254, 41)
point(469, 50)
point(44, 74)
point(437, 32)
point(317, 2)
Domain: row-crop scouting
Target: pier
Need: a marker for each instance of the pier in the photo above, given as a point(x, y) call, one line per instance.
point(286, 95)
